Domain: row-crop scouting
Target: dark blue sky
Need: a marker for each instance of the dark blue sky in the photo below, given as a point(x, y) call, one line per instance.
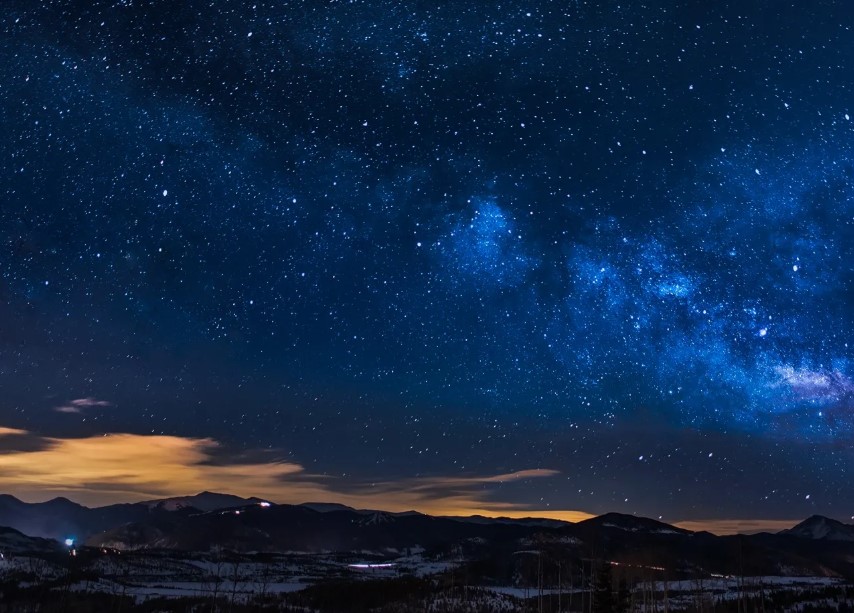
point(389, 241)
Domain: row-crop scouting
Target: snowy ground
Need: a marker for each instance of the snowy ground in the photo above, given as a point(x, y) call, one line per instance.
point(243, 578)
point(729, 584)
point(146, 575)
point(689, 594)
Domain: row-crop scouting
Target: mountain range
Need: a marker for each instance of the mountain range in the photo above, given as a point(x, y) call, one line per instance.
point(816, 546)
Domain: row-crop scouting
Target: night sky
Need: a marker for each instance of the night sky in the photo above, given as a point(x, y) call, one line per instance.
point(546, 258)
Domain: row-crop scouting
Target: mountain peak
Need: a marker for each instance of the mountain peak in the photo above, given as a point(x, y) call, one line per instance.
point(203, 501)
point(326, 507)
point(819, 527)
point(62, 501)
point(632, 523)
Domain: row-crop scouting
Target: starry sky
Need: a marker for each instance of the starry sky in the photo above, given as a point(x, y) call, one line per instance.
point(517, 257)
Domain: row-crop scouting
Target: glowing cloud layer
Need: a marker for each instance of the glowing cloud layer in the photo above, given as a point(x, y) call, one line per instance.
point(122, 467)
point(125, 467)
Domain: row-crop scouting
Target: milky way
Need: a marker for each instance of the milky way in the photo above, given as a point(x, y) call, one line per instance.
point(397, 240)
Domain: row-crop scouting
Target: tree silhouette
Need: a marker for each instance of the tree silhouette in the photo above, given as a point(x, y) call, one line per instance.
point(603, 590)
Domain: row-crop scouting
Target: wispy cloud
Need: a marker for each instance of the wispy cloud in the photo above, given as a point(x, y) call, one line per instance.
point(80, 404)
point(12, 432)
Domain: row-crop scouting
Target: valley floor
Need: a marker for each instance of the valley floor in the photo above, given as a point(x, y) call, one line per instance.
point(109, 580)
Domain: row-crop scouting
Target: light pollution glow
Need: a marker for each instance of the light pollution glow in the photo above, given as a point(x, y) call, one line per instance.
point(122, 467)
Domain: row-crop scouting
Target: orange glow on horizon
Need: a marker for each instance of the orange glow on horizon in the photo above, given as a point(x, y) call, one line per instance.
point(737, 526)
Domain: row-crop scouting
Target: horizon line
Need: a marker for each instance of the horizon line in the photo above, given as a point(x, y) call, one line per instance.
point(717, 526)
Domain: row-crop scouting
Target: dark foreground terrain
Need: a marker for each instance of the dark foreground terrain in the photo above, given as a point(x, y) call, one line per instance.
point(212, 553)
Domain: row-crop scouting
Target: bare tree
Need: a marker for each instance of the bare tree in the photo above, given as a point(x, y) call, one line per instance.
point(264, 578)
point(235, 581)
point(215, 575)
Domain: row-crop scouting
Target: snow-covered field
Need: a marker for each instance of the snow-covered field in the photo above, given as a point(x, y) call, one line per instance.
point(729, 584)
point(145, 575)
point(691, 594)
point(246, 578)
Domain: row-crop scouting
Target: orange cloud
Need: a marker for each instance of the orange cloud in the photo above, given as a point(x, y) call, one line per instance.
point(12, 432)
point(459, 496)
point(120, 466)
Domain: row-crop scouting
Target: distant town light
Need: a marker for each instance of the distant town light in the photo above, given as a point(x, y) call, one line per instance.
point(69, 542)
point(264, 504)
